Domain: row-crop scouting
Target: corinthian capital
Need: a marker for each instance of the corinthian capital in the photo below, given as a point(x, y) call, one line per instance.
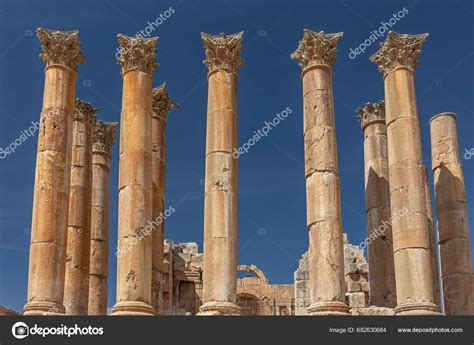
point(316, 48)
point(398, 50)
point(223, 51)
point(84, 111)
point(104, 136)
point(60, 48)
point(137, 53)
point(162, 102)
point(371, 113)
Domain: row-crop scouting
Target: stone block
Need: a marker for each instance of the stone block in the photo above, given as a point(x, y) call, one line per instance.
point(356, 300)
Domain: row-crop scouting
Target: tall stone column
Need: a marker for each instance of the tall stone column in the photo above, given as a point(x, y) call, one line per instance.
point(397, 58)
point(103, 140)
point(452, 218)
point(61, 53)
point(76, 286)
point(135, 241)
point(220, 195)
point(317, 54)
point(377, 205)
point(431, 235)
point(162, 104)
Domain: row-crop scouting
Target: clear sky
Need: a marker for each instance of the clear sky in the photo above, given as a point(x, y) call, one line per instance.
point(272, 211)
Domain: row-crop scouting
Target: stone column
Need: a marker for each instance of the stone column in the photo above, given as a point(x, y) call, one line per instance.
point(61, 53)
point(76, 286)
point(135, 241)
point(431, 234)
point(452, 217)
point(162, 104)
point(103, 139)
point(377, 205)
point(397, 58)
point(317, 54)
point(220, 195)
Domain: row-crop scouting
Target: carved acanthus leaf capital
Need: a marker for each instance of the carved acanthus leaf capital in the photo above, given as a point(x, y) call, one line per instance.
point(104, 136)
point(317, 48)
point(371, 113)
point(223, 51)
point(162, 102)
point(137, 53)
point(60, 48)
point(84, 111)
point(398, 50)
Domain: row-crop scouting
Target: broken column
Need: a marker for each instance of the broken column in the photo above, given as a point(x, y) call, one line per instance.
point(431, 234)
point(76, 286)
point(377, 205)
point(103, 139)
point(135, 241)
point(397, 58)
point(220, 196)
point(61, 53)
point(317, 54)
point(162, 104)
point(452, 218)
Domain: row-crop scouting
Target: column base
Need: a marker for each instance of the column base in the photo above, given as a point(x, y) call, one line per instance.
point(133, 308)
point(328, 309)
point(219, 309)
point(44, 308)
point(415, 309)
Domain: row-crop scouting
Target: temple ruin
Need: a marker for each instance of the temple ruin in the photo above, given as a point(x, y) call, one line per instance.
point(68, 267)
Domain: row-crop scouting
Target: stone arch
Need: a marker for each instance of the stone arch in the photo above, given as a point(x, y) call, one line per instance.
point(255, 270)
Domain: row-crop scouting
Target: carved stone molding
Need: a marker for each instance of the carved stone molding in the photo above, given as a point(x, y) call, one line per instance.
point(104, 136)
point(316, 48)
point(398, 50)
point(60, 48)
point(137, 53)
point(223, 51)
point(162, 102)
point(84, 111)
point(371, 113)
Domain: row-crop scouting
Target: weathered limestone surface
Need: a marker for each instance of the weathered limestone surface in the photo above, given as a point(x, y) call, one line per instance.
point(317, 54)
point(61, 53)
point(135, 241)
point(103, 139)
point(431, 234)
point(162, 104)
point(451, 213)
point(76, 286)
point(220, 195)
point(377, 205)
point(397, 58)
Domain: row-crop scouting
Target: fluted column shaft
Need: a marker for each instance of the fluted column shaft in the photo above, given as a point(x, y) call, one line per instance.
point(162, 104)
point(377, 204)
point(76, 291)
point(220, 194)
point(104, 137)
point(452, 217)
point(412, 257)
point(52, 176)
point(135, 240)
point(323, 201)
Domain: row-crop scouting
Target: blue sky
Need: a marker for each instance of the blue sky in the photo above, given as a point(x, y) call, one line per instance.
point(272, 211)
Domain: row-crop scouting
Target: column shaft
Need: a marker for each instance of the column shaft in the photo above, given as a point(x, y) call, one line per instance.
point(76, 291)
point(452, 218)
point(52, 176)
